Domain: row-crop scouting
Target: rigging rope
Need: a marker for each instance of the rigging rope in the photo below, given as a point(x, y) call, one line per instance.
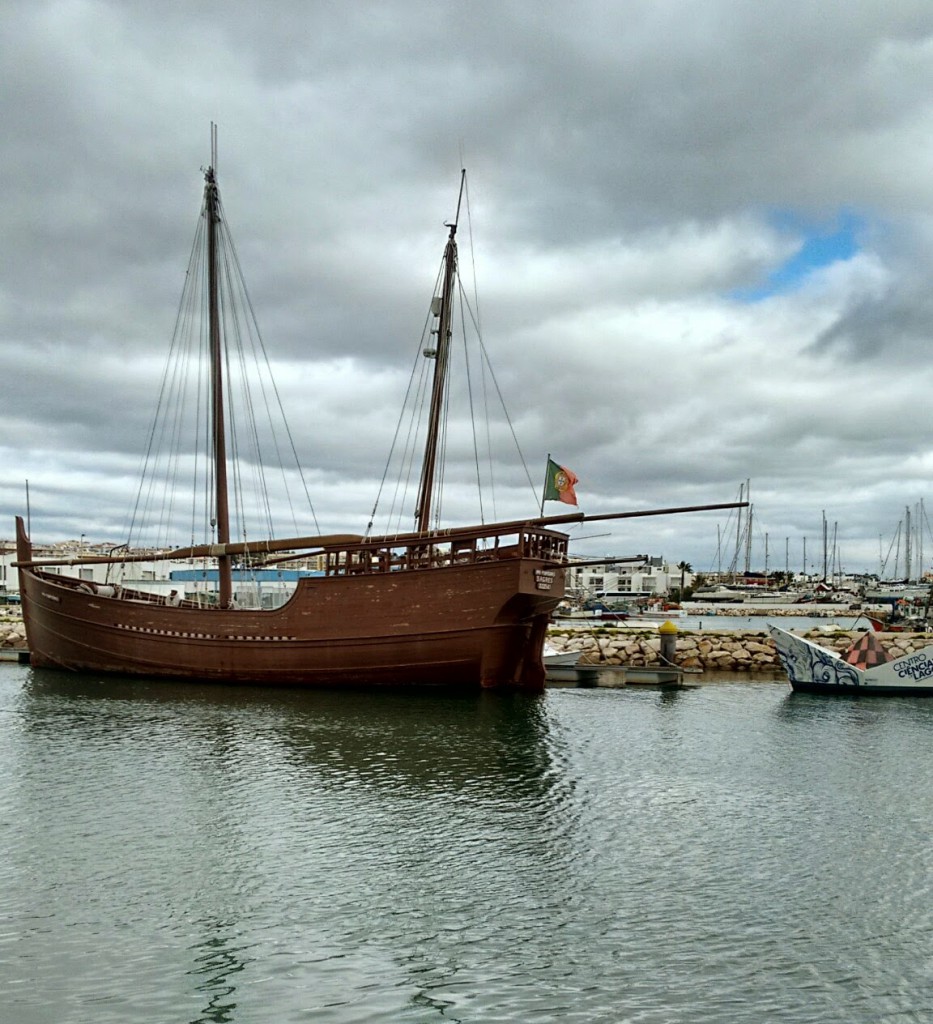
point(417, 396)
point(182, 414)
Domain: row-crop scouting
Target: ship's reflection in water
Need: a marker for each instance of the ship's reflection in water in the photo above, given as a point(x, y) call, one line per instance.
point(281, 830)
point(217, 962)
point(226, 855)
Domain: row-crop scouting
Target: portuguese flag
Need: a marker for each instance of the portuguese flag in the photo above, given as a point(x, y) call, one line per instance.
point(559, 484)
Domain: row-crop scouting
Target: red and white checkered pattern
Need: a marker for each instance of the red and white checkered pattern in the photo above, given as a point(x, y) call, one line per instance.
point(866, 652)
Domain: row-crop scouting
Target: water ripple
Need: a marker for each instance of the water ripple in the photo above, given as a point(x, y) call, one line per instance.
point(728, 854)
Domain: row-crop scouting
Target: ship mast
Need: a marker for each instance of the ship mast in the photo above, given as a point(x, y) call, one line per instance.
point(442, 310)
point(221, 505)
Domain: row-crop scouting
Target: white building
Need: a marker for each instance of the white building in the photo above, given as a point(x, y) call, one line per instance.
point(152, 577)
point(265, 588)
point(621, 581)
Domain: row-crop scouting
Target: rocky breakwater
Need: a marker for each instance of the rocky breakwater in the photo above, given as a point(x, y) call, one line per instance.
point(12, 630)
point(750, 611)
point(722, 651)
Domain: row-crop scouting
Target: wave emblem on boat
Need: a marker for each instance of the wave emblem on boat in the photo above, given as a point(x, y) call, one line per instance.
point(866, 668)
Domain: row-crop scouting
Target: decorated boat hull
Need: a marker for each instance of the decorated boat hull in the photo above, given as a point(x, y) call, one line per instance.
point(815, 669)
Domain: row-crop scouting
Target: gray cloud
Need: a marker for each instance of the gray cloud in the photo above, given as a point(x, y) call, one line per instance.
point(625, 165)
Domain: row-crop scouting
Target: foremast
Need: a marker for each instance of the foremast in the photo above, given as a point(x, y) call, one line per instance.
point(442, 310)
point(218, 429)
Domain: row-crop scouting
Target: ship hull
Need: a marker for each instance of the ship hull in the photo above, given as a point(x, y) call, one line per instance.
point(480, 625)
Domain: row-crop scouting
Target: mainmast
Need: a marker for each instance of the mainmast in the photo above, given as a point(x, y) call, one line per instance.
point(442, 309)
point(218, 431)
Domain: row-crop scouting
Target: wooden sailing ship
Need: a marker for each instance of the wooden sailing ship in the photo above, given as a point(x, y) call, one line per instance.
point(462, 607)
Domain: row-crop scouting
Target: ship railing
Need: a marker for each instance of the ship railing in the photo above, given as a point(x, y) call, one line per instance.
point(457, 547)
point(491, 544)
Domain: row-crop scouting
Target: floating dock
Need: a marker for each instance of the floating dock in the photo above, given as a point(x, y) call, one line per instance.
point(615, 676)
point(14, 654)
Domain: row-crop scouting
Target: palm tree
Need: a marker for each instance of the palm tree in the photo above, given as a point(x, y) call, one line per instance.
point(684, 567)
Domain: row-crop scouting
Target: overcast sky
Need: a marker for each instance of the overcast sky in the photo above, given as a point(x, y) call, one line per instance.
point(702, 238)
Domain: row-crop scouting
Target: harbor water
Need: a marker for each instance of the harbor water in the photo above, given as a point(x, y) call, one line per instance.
point(726, 853)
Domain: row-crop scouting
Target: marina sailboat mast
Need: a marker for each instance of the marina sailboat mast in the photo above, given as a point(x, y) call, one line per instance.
point(442, 309)
point(221, 519)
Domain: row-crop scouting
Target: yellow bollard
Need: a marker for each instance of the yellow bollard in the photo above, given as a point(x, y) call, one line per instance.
point(668, 633)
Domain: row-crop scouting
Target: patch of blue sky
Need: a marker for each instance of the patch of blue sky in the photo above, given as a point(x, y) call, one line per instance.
point(821, 245)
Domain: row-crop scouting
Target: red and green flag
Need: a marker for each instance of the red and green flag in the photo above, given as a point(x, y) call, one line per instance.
point(559, 484)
